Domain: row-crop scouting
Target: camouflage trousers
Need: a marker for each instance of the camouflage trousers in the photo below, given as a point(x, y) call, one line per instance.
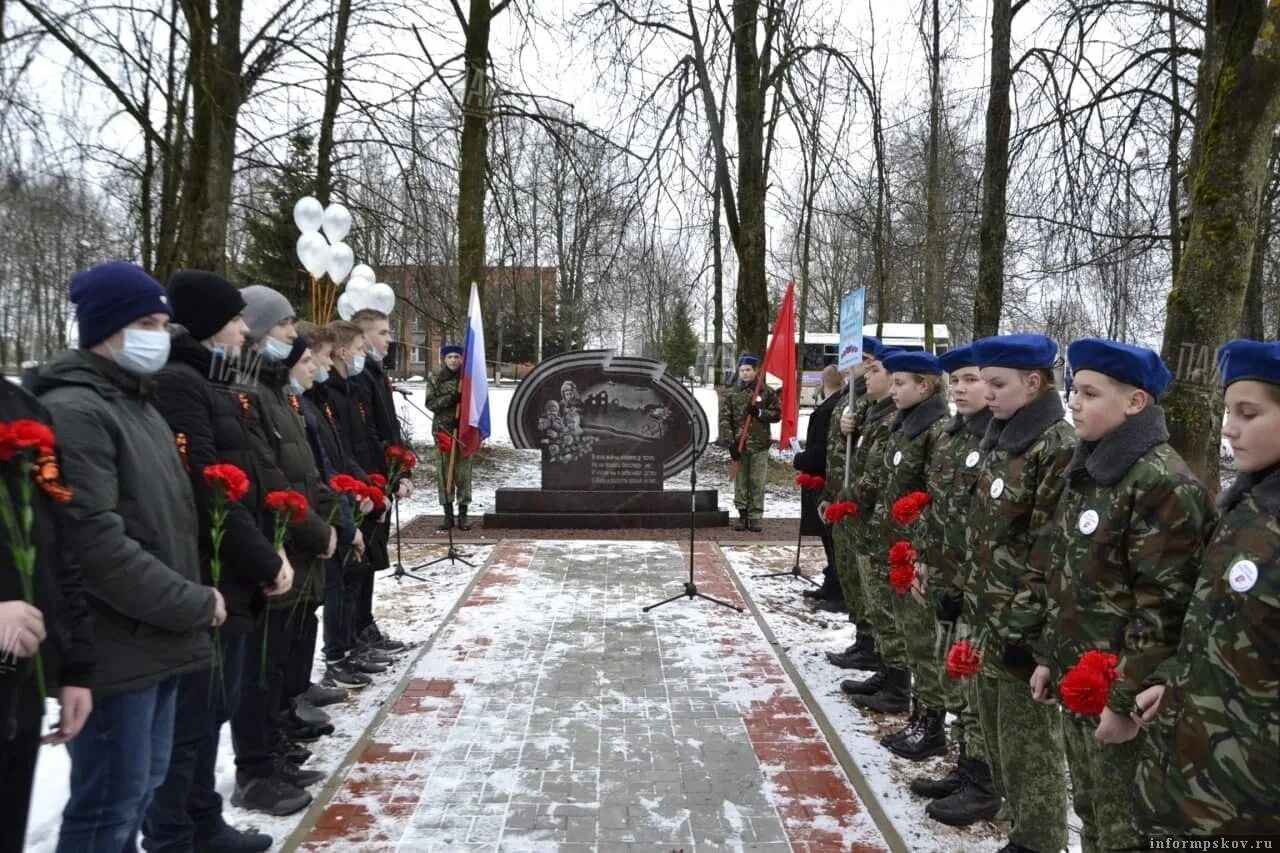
point(1026, 754)
point(877, 604)
point(918, 626)
point(1102, 789)
point(959, 695)
point(748, 486)
point(843, 534)
point(461, 480)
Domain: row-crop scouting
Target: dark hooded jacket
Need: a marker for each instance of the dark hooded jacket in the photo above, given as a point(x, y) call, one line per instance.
point(373, 388)
point(129, 528)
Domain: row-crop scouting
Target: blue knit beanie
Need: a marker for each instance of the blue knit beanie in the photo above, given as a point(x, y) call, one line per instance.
point(110, 296)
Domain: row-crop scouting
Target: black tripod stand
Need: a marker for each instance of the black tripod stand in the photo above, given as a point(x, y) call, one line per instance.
point(690, 588)
point(794, 571)
point(400, 571)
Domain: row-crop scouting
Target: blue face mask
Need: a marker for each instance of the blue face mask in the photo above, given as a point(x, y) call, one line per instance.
point(357, 364)
point(274, 350)
point(145, 351)
point(374, 356)
point(322, 375)
point(295, 386)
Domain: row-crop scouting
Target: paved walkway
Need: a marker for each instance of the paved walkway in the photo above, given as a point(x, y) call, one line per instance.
point(551, 714)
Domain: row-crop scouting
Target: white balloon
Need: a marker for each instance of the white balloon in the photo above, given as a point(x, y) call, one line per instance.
point(382, 298)
point(313, 252)
point(358, 287)
point(341, 259)
point(365, 272)
point(346, 308)
point(308, 214)
point(336, 222)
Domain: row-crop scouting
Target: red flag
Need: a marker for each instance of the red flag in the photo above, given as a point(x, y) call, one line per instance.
point(780, 360)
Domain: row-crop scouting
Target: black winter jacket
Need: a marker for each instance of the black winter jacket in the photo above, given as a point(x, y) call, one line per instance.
point(209, 421)
point(353, 421)
point(129, 528)
point(373, 389)
point(813, 459)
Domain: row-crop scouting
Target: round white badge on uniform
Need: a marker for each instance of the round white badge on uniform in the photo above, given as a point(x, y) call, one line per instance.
point(1243, 575)
point(997, 487)
point(1088, 522)
point(972, 459)
point(859, 444)
point(897, 459)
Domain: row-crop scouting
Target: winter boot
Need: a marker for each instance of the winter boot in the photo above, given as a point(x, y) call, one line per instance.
point(936, 789)
point(375, 639)
point(1015, 848)
point(864, 654)
point(865, 686)
point(906, 731)
point(463, 523)
point(928, 739)
point(295, 752)
point(824, 591)
point(845, 659)
point(894, 697)
point(741, 523)
point(308, 714)
point(975, 800)
point(338, 674)
point(228, 839)
point(755, 525)
point(296, 776)
point(447, 522)
point(318, 695)
point(270, 795)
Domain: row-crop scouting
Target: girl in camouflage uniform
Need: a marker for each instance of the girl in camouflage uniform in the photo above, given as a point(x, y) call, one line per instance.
point(444, 393)
point(741, 401)
point(1210, 768)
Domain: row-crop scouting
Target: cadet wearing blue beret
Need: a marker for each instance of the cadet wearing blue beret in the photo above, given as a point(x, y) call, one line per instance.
point(871, 346)
point(1132, 365)
point(907, 361)
point(1020, 352)
point(748, 360)
point(957, 359)
point(1246, 359)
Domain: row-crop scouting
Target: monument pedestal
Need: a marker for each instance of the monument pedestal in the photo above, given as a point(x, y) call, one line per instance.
point(563, 509)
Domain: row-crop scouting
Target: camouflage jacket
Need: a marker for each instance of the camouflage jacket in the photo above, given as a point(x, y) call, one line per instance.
point(733, 407)
point(444, 392)
point(838, 441)
point(941, 534)
point(1219, 741)
point(1018, 486)
point(1131, 524)
point(913, 439)
point(870, 469)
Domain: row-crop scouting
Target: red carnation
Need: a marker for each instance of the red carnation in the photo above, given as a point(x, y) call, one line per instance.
point(230, 480)
point(817, 483)
point(346, 484)
point(802, 480)
point(1085, 686)
point(444, 442)
point(901, 577)
point(376, 496)
point(401, 458)
point(21, 435)
point(907, 509)
point(292, 505)
point(378, 481)
point(840, 510)
point(902, 554)
point(963, 661)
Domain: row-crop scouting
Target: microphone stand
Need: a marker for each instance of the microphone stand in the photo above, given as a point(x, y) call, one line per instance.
point(400, 571)
point(691, 588)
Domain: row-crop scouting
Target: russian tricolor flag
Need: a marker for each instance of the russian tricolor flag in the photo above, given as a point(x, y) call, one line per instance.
point(473, 420)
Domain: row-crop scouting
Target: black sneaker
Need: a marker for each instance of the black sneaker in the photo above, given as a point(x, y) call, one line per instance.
point(271, 795)
point(296, 776)
point(318, 695)
point(303, 733)
point(228, 839)
point(372, 655)
point(357, 663)
point(296, 753)
point(374, 638)
point(305, 712)
point(338, 674)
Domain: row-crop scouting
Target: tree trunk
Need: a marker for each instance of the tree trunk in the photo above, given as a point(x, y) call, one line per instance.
point(717, 278)
point(1175, 146)
point(933, 249)
point(473, 159)
point(753, 290)
point(1238, 104)
point(992, 232)
point(334, 69)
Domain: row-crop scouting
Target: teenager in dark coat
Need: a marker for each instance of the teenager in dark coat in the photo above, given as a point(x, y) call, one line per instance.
point(813, 461)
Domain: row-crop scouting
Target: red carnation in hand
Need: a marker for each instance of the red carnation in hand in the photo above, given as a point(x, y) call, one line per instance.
point(817, 483)
point(233, 482)
point(907, 509)
point(291, 504)
point(347, 485)
point(400, 458)
point(444, 442)
point(840, 510)
point(901, 577)
point(1085, 686)
point(902, 552)
point(963, 661)
point(802, 480)
point(376, 495)
point(21, 435)
point(379, 482)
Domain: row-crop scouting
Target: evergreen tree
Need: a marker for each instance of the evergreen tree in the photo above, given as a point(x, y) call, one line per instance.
point(679, 343)
point(271, 249)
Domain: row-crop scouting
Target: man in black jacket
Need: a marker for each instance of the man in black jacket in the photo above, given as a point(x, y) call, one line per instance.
point(130, 531)
point(813, 460)
point(56, 625)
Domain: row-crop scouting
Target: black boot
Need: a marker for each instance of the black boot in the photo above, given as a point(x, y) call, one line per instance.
point(976, 800)
point(463, 523)
point(894, 697)
point(845, 659)
point(825, 591)
point(755, 525)
point(917, 710)
point(865, 686)
point(936, 789)
point(927, 740)
point(865, 655)
point(741, 523)
point(447, 521)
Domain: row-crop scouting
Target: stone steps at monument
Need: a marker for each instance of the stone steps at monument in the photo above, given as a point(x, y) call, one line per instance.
point(598, 501)
point(604, 520)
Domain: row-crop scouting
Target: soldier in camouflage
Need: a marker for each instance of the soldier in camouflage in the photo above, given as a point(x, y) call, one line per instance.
point(1131, 524)
point(444, 394)
point(742, 402)
point(1209, 767)
point(1027, 448)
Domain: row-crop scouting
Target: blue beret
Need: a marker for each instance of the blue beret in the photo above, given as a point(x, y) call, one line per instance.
point(956, 358)
point(1246, 359)
point(908, 361)
point(450, 349)
point(748, 359)
point(1021, 352)
point(1124, 362)
point(871, 346)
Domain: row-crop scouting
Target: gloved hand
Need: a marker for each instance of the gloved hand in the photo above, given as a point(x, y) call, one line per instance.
point(1018, 659)
point(734, 453)
point(754, 411)
point(950, 608)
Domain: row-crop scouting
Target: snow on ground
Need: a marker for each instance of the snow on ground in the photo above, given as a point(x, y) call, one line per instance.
point(409, 611)
point(803, 637)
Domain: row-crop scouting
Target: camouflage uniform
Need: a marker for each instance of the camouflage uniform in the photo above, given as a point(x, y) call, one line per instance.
point(913, 439)
point(941, 542)
point(444, 393)
point(843, 535)
point(1018, 486)
point(1131, 524)
point(871, 460)
point(753, 469)
point(1209, 766)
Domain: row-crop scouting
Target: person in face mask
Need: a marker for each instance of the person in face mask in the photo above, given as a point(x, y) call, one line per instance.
point(130, 529)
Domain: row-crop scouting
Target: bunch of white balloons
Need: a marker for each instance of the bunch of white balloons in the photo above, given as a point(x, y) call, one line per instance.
point(320, 257)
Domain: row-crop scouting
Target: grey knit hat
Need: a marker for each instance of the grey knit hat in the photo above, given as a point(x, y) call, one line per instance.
point(264, 310)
